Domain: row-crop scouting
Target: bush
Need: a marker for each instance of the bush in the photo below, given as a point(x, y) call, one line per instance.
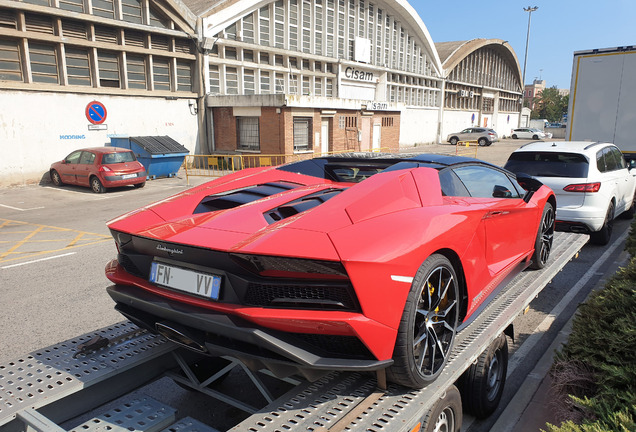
point(595, 373)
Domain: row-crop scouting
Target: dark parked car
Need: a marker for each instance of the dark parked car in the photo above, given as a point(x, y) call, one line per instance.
point(99, 168)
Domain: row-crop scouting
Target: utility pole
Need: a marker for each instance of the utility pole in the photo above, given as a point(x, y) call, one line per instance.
point(529, 9)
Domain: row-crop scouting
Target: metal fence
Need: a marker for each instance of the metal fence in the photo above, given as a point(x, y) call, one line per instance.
point(218, 165)
point(463, 148)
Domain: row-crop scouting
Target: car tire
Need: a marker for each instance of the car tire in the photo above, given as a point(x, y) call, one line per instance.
point(603, 236)
point(454, 140)
point(545, 236)
point(55, 178)
point(514, 136)
point(97, 186)
point(535, 137)
point(629, 213)
point(446, 414)
point(482, 385)
point(483, 142)
point(427, 328)
point(140, 185)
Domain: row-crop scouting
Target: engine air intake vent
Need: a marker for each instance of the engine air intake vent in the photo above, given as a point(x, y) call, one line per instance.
point(300, 205)
point(239, 197)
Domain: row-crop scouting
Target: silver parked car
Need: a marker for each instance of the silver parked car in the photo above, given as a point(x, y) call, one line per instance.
point(482, 136)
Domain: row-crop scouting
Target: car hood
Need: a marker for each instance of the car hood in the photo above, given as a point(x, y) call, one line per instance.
point(265, 211)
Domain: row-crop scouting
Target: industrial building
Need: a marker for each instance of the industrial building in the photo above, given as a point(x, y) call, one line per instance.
point(239, 77)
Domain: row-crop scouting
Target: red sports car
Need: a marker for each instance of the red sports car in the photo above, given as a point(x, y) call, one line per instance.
point(358, 262)
point(99, 168)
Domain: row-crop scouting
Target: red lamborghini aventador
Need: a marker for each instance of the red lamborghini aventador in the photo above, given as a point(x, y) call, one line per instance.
point(360, 262)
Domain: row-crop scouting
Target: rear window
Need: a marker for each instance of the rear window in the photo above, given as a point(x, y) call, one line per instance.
point(121, 157)
point(548, 164)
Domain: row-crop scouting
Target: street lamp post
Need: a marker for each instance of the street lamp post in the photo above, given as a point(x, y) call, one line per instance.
point(525, 59)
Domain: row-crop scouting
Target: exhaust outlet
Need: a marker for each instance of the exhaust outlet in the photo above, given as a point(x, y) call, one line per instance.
point(179, 336)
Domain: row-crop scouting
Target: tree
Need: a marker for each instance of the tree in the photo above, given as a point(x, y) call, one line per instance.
point(551, 105)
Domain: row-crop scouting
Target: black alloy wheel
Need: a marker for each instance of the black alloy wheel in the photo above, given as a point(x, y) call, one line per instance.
point(428, 325)
point(545, 236)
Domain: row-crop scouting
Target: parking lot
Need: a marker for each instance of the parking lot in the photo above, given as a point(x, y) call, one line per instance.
point(54, 245)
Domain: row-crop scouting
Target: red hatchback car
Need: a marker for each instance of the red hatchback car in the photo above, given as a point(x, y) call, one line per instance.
point(99, 168)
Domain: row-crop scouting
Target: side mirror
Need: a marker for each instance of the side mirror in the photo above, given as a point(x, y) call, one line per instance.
point(501, 192)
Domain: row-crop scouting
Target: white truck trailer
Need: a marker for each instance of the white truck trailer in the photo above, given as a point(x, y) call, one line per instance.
point(52, 386)
point(602, 104)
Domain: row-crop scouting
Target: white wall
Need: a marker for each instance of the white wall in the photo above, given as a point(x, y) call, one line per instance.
point(506, 122)
point(418, 125)
point(455, 121)
point(38, 128)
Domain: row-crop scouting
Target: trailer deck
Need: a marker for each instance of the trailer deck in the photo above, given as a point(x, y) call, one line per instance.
point(50, 386)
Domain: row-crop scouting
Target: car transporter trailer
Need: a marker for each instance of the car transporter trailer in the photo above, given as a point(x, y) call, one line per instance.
point(59, 383)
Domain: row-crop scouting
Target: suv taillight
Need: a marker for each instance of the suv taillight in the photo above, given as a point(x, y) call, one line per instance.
point(583, 187)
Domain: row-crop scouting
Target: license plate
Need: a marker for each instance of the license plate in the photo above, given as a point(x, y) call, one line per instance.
point(127, 176)
point(190, 281)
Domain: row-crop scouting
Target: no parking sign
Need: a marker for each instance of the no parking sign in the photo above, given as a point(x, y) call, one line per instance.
point(96, 112)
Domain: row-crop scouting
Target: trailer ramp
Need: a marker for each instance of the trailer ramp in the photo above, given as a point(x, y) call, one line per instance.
point(54, 384)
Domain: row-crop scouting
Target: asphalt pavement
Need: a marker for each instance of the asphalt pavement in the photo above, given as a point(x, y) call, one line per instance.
point(54, 245)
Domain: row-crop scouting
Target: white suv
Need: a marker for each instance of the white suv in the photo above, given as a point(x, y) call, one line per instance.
point(591, 181)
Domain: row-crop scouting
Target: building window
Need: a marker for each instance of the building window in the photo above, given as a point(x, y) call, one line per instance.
point(215, 81)
point(231, 81)
point(104, 8)
point(184, 76)
point(72, 5)
point(302, 135)
point(77, 67)
point(136, 66)
point(108, 69)
point(265, 83)
point(131, 11)
point(161, 73)
point(157, 19)
point(248, 81)
point(43, 63)
point(247, 133)
point(10, 66)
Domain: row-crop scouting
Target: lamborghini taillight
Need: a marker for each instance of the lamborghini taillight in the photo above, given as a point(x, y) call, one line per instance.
point(273, 266)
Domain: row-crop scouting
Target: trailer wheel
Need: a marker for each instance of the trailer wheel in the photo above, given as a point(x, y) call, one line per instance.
point(429, 321)
point(446, 414)
point(483, 383)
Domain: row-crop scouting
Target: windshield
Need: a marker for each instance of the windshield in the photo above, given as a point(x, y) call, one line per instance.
point(548, 164)
point(120, 157)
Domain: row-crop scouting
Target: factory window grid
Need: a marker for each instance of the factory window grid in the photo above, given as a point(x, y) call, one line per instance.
point(320, 27)
point(10, 63)
point(247, 133)
point(302, 134)
point(71, 63)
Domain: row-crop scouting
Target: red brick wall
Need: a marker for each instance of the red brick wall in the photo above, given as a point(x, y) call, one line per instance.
point(277, 130)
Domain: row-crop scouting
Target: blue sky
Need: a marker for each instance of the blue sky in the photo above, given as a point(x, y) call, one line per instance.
point(557, 29)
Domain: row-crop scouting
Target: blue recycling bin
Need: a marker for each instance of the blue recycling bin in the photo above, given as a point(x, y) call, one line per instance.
point(161, 155)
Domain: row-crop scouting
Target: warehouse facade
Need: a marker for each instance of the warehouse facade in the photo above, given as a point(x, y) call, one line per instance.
point(132, 60)
point(293, 76)
point(282, 77)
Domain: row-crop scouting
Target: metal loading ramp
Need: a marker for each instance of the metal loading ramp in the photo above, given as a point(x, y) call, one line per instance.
point(52, 385)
